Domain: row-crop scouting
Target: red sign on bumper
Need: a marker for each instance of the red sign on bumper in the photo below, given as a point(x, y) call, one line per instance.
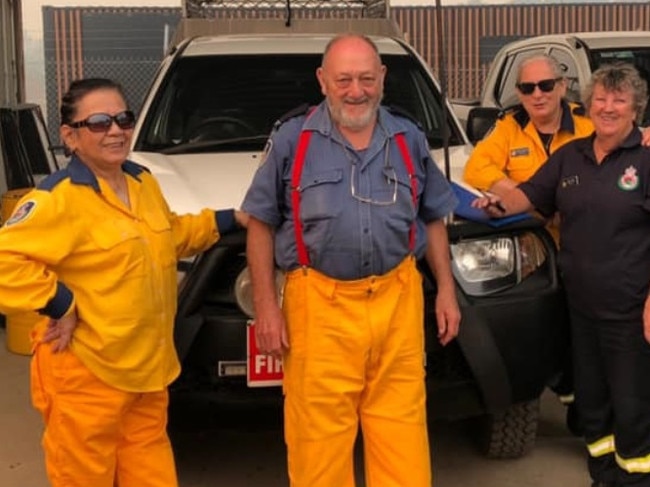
point(261, 370)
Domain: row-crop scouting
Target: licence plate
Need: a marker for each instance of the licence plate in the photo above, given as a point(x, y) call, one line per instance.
point(261, 370)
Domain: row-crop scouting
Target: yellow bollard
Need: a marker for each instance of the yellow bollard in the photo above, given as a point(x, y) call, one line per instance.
point(9, 200)
point(19, 329)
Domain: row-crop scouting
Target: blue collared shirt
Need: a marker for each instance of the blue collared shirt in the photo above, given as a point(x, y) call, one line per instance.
point(351, 227)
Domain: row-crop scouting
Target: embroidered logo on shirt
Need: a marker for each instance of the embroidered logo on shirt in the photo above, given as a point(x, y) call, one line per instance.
point(569, 181)
point(520, 151)
point(629, 180)
point(267, 150)
point(22, 213)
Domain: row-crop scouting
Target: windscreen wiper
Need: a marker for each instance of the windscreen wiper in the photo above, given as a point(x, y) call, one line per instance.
point(200, 145)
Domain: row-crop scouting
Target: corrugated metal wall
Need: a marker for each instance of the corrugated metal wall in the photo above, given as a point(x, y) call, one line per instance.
point(125, 44)
point(12, 89)
point(115, 42)
point(468, 29)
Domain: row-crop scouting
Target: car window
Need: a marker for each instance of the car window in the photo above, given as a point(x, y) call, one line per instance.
point(507, 94)
point(221, 98)
point(569, 71)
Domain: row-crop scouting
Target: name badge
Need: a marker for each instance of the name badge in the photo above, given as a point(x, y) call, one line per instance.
point(519, 152)
point(569, 181)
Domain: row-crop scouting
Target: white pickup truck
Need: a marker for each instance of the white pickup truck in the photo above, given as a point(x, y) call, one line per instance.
point(578, 54)
point(202, 130)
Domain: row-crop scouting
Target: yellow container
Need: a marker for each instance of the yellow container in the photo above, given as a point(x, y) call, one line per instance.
point(9, 200)
point(19, 328)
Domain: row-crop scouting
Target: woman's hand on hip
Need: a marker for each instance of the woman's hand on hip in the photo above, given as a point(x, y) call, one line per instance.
point(61, 330)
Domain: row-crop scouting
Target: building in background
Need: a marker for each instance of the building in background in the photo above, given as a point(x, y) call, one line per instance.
point(124, 44)
point(12, 76)
point(127, 44)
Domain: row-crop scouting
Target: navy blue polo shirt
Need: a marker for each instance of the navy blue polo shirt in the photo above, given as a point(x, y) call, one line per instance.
point(605, 224)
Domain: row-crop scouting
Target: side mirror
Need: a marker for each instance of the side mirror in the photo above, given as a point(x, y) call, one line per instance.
point(479, 121)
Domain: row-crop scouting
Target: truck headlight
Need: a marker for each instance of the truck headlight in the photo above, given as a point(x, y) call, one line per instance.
point(486, 266)
point(244, 290)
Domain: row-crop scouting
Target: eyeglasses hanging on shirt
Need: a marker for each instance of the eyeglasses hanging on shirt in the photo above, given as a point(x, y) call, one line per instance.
point(390, 178)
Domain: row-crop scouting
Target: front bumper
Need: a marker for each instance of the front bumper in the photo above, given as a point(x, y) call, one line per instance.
point(509, 347)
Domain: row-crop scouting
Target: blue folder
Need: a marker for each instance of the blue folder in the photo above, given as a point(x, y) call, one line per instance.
point(465, 209)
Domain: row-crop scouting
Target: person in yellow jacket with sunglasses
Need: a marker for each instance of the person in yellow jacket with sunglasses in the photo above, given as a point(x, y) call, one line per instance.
point(525, 136)
point(94, 248)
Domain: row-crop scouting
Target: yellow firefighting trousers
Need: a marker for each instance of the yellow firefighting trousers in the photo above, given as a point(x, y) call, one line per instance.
point(96, 435)
point(356, 358)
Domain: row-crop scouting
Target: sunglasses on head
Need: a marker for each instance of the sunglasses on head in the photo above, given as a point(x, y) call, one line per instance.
point(102, 122)
point(545, 85)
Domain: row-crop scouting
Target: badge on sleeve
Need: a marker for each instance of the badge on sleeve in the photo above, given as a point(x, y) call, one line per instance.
point(22, 212)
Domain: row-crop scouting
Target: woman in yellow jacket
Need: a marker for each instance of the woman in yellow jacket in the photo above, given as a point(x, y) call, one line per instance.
point(94, 248)
point(520, 142)
point(524, 137)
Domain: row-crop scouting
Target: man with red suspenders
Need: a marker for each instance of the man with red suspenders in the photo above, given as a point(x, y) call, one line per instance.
point(345, 202)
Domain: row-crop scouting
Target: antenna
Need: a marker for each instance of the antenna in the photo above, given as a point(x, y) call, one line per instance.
point(442, 79)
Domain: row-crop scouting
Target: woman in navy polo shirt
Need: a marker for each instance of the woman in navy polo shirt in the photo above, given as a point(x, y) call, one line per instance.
point(601, 187)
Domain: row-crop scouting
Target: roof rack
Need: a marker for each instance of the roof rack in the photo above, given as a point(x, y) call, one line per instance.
point(228, 17)
point(206, 9)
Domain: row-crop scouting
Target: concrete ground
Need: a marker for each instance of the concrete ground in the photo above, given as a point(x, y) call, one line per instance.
point(242, 446)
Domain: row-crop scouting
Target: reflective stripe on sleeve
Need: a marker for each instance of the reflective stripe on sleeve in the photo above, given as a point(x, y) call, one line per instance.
point(601, 447)
point(566, 399)
point(634, 465)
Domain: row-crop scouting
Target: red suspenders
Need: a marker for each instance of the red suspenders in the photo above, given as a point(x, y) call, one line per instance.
point(303, 143)
point(298, 163)
point(408, 162)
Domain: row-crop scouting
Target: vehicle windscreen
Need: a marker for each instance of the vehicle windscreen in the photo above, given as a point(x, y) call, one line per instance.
point(639, 57)
point(230, 103)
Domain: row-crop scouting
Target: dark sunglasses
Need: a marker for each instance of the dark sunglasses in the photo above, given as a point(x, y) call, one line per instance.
point(101, 122)
point(545, 85)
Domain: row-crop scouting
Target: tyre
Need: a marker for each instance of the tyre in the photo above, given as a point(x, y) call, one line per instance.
point(511, 433)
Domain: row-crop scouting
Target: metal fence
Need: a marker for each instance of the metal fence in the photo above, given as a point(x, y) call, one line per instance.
point(124, 44)
point(474, 34)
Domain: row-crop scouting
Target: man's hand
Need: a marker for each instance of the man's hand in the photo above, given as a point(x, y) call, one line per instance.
point(61, 330)
point(491, 204)
point(646, 319)
point(447, 316)
point(271, 333)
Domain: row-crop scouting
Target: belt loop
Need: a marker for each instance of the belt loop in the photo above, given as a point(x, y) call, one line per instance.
point(404, 268)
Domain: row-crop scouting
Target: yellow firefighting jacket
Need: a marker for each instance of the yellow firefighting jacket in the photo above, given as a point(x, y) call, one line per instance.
point(73, 243)
point(513, 148)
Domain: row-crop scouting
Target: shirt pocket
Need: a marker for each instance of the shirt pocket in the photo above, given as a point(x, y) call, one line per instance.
point(321, 195)
point(160, 236)
point(522, 164)
point(119, 246)
point(401, 213)
point(111, 234)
